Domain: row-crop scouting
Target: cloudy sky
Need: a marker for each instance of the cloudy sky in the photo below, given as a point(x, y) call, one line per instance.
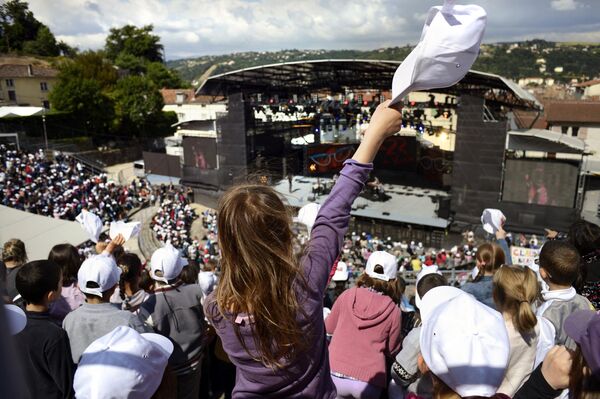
point(199, 27)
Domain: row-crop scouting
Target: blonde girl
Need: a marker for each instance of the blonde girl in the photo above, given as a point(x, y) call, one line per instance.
point(515, 290)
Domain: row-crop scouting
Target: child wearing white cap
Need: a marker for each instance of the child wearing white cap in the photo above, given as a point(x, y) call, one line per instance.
point(405, 371)
point(122, 364)
point(464, 345)
point(98, 278)
point(175, 311)
point(367, 319)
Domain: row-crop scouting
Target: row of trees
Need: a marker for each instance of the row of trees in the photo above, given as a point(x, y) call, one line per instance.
point(114, 90)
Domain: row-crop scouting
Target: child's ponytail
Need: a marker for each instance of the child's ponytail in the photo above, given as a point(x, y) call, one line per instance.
point(515, 289)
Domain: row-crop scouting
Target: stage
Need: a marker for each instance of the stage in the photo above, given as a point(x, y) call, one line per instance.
point(406, 204)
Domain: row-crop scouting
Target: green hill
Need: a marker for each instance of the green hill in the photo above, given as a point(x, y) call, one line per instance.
point(513, 60)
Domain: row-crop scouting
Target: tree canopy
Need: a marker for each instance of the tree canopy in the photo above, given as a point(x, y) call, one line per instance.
point(137, 42)
point(21, 32)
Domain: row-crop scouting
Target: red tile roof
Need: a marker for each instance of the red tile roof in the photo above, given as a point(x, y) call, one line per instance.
point(22, 71)
point(562, 112)
point(588, 83)
point(170, 97)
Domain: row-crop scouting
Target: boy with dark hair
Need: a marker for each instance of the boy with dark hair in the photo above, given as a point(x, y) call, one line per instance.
point(98, 278)
point(559, 268)
point(43, 346)
point(405, 372)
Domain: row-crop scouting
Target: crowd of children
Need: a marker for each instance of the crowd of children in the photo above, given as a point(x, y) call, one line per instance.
point(253, 325)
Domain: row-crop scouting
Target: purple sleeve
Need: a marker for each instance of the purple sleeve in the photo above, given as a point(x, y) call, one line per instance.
point(327, 234)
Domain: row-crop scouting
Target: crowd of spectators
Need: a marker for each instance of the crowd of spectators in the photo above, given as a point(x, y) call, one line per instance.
point(173, 220)
point(62, 187)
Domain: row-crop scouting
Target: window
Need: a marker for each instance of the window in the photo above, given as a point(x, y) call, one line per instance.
point(564, 129)
point(12, 96)
point(43, 86)
point(575, 130)
point(46, 104)
point(10, 83)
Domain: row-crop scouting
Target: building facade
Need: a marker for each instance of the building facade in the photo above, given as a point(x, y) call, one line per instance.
point(26, 85)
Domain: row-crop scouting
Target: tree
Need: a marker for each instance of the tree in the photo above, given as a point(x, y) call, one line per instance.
point(44, 44)
point(85, 99)
point(89, 65)
point(138, 104)
point(21, 31)
point(138, 42)
point(163, 77)
point(84, 88)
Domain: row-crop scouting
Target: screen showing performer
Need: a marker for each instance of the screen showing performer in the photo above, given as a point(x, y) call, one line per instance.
point(540, 183)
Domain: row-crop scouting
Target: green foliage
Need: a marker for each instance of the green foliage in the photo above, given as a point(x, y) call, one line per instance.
point(85, 98)
point(131, 63)
point(21, 32)
point(84, 88)
point(138, 42)
point(163, 77)
point(137, 103)
point(89, 65)
point(44, 44)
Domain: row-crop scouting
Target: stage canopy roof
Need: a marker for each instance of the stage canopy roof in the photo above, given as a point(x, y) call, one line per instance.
point(39, 233)
point(545, 141)
point(305, 77)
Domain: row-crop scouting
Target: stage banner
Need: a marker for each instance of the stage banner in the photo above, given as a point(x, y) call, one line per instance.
point(525, 256)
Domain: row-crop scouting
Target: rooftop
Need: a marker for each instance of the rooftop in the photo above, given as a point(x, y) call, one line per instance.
point(170, 97)
point(26, 71)
point(305, 77)
point(574, 112)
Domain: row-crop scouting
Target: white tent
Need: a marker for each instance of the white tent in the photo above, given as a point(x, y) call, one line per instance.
point(20, 111)
point(39, 233)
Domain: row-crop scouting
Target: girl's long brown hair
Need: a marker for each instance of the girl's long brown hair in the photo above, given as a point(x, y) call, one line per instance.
point(260, 272)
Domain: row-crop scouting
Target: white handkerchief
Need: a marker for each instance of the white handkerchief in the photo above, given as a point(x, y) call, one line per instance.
point(91, 223)
point(492, 220)
point(128, 230)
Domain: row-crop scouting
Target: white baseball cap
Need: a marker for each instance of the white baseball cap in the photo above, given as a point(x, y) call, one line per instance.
point(100, 269)
point(15, 319)
point(167, 260)
point(341, 272)
point(122, 364)
point(492, 220)
point(463, 342)
point(448, 47)
point(385, 259)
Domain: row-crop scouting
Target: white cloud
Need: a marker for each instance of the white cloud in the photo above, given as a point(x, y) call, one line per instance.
point(199, 27)
point(564, 5)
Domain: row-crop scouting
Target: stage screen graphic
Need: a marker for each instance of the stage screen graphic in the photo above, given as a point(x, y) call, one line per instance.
point(328, 158)
point(200, 152)
point(540, 183)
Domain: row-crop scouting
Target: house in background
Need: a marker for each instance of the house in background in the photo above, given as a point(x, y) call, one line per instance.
point(26, 84)
point(190, 107)
point(589, 90)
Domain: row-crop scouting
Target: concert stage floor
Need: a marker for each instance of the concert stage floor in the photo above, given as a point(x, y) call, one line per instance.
point(410, 205)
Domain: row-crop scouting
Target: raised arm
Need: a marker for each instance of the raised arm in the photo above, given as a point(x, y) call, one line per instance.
point(332, 221)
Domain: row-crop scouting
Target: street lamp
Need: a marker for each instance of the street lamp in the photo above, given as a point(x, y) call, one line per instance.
point(44, 124)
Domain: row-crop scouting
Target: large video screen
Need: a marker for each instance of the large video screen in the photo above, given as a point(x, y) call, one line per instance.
point(200, 152)
point(540, 183)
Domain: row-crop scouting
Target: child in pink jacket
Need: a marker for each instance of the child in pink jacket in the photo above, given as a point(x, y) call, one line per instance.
point(365, 325)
